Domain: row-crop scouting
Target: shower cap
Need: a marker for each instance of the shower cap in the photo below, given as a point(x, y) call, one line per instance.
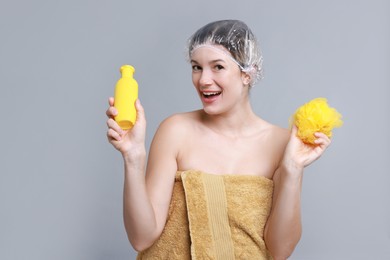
point(238, 39)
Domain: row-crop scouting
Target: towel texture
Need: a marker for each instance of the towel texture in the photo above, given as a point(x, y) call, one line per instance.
point(215, 217)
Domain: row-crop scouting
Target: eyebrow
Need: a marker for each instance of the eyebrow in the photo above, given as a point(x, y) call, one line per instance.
point(213, 61)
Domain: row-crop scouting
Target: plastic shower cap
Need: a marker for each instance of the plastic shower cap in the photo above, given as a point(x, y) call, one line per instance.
point(237, 38)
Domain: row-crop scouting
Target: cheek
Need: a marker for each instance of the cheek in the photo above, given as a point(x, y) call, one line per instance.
point(235, 80)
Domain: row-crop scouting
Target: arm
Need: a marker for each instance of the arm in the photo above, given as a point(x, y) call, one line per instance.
point(145, 200)
point(283, 229)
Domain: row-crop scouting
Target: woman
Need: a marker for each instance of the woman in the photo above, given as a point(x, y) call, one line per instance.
point(220, 183)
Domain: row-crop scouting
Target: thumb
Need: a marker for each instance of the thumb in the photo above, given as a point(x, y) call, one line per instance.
point(294, 138)
point(140, 111)
point(294, 130)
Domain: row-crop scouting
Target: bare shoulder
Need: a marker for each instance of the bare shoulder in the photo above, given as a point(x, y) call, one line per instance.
point(279, 134)
point(167, 142)
point(276, 138)
point(179, 122)
point(274, 143)
point(276, 133)
point(177, 126)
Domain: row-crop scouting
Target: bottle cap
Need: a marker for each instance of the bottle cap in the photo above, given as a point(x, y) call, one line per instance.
point(127, 70)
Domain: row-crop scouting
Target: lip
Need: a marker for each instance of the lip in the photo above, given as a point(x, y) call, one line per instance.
point(210, 99)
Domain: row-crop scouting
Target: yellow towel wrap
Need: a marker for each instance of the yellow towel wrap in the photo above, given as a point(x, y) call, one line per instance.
point(215, 217)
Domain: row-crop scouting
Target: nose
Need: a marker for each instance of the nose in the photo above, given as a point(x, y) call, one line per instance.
point(206, 78)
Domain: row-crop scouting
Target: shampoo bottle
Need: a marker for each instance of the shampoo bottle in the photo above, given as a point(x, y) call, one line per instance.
point(126, 93)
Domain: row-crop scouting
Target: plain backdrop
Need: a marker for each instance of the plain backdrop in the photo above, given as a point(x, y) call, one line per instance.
point(61, 181)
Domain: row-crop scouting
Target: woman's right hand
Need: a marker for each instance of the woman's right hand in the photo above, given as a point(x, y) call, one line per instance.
point(131, 143)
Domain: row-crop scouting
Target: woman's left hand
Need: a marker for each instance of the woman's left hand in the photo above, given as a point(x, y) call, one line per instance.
point(299, 154)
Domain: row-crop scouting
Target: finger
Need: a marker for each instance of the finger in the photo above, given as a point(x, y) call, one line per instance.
point(110, 101)
point(320, 135)
point(111, 112)
point(323, 141)
point(113, 135)
point(140, 111)
point(112, 124)
point(294, 135)
point(294, 129)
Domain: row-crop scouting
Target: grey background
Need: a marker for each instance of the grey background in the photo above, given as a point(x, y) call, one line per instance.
point(61, 182)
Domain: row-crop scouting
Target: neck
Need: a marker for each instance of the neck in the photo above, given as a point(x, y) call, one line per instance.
point(235, 123)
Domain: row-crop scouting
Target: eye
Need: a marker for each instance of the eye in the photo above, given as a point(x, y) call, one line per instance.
point(196, 68)
point(218, 67)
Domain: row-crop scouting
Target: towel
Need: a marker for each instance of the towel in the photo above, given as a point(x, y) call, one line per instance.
point(215, 217)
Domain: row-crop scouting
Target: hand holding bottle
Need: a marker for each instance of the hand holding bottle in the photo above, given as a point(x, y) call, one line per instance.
point(131, 143)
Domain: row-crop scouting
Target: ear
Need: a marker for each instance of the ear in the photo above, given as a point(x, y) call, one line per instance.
point(246, 78)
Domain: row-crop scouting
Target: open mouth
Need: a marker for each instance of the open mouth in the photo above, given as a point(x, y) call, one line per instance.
point(211, 94)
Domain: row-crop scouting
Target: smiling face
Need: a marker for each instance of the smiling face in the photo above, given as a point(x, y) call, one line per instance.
point(218, 80)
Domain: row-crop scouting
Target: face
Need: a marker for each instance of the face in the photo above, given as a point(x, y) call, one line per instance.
point(218, 80)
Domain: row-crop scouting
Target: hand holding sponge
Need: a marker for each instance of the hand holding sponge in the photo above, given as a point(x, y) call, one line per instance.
point(315, 116)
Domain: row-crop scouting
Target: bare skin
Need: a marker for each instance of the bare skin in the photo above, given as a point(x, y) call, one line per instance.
point(225, 137)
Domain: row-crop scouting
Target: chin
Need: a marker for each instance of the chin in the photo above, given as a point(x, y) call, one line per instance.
point(212, 111)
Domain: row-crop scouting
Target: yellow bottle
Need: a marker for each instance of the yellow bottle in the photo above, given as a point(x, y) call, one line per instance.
point(126, 93)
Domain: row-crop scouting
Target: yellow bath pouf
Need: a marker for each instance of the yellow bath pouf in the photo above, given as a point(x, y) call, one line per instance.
point(316, 116)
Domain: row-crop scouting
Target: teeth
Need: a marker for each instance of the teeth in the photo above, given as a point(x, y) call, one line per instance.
point(210, 93)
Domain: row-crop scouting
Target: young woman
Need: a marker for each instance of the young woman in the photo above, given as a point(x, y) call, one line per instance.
point(220, 182)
